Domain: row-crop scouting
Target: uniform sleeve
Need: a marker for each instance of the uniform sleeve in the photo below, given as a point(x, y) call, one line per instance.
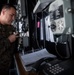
point(4, 44)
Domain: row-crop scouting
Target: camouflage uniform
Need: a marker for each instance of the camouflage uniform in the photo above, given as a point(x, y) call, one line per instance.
point(6, 48)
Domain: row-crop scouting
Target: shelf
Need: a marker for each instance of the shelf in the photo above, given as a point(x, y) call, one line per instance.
point(41, 4)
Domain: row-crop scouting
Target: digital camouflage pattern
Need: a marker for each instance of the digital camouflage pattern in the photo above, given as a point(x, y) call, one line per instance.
point(6, 48)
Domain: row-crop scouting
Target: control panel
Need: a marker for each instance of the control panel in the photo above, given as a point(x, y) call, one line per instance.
point(58, 67)
point(61, 19)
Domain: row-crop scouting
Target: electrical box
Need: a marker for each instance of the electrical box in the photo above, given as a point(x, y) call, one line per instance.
point(61, 18)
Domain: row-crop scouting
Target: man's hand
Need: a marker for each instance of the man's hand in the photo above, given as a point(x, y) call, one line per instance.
point(13, 37)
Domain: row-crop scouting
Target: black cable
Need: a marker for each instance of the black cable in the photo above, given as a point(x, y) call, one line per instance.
point(69, 48)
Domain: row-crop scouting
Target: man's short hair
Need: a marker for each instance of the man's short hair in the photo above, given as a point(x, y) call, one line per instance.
point(6, 6)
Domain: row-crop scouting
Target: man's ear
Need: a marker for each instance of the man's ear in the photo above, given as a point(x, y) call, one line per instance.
point(3, 11)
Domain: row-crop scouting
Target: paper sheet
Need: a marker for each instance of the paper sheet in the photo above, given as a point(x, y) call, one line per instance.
point(35, 56)
point(49, 33)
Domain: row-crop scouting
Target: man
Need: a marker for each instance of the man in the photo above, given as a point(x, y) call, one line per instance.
point(7, 38)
